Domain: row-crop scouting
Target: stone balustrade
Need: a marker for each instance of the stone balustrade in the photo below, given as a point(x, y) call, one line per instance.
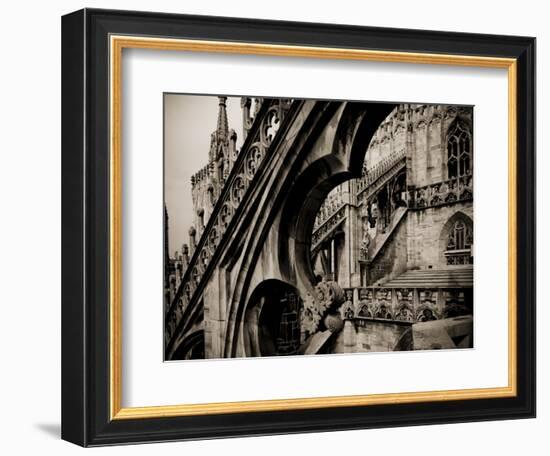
point(328, 226)
point(332, 211)
point(374, 173)
point(441, 193)
point(404, 304)
point(329, 304)
point(333, 202)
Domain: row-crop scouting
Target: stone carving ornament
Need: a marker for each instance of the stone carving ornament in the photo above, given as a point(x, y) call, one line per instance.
point(327, 297)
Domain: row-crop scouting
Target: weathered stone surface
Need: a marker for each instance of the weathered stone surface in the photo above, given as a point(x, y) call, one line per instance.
point(374, 335)
point(316, 342)
point(278, 236)
point(440, 334)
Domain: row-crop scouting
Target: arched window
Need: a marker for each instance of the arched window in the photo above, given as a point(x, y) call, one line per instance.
point(459, 150)
point(459, 243)
point(460, 237)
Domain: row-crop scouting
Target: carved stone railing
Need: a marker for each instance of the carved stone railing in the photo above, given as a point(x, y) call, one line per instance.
point(446, 192)
point(262, 133)
point(459, 257)
point(329, 306)
point(333, 202)
point(374, 177)
point(328, 226)
point(332, 211)
point(250, 107)
point(404, 304)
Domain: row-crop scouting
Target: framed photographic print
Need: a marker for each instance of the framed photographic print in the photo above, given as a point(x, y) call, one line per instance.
point(272, 227)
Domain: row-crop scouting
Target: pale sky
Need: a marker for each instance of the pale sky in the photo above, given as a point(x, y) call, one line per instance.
point(188, 122)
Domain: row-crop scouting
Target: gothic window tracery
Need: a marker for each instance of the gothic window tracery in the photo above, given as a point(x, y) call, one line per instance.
point(459, 150)
point(460, 237)
point(459, 243)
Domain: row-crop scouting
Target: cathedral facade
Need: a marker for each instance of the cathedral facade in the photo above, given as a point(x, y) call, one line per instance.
point(365, 242)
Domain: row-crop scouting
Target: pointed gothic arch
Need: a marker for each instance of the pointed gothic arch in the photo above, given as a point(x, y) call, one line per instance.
point(272, 320)
point(456, 241)
point(191, 347)
point(459, 159)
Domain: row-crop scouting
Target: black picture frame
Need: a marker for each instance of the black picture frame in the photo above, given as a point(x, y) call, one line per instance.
point(86, 413)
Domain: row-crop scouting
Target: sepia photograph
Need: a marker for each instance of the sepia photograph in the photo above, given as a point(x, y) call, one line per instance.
point(310, 227)
point(269, 227)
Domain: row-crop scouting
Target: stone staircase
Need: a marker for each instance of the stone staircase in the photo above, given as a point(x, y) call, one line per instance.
point(429, 278)
point(381, 238)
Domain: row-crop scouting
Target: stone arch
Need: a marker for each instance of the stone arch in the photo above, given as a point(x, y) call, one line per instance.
point(309, 194)
point(257, 240)
point(191, 347)
point(365, 310)
point(427, 313)
point(326, 150)
point(383, 311)
point(458, 216)
point(272, 320)
point(404, 312)
point(193, 326)
point(339, 157)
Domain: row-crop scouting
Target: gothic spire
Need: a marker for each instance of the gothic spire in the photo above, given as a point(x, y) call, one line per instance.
point(223, 126)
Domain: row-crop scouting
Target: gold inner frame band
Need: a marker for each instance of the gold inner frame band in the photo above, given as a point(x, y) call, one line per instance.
point(117, 44)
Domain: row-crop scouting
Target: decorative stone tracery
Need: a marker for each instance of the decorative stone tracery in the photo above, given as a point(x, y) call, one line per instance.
point(213, 230)
point(326, 308)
